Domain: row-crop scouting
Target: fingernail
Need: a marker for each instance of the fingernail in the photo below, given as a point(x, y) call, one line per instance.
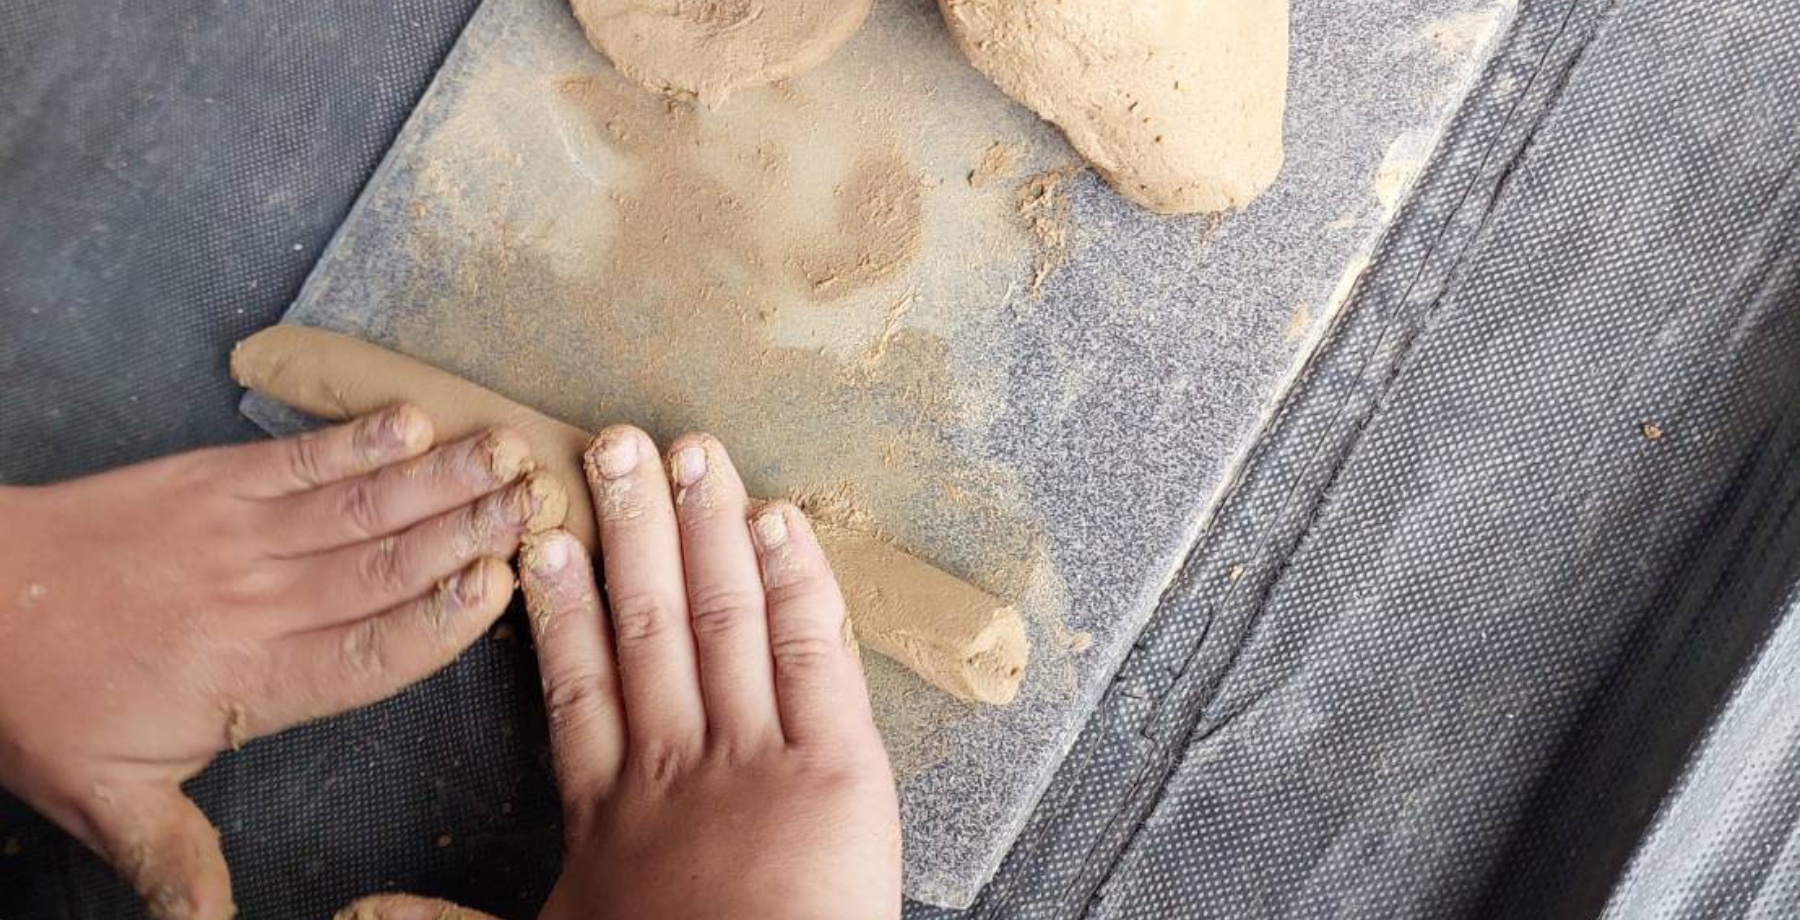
point(466, 590)
point(548, 556)
point(689, 465)
point(451, 587)
point(770, 528)
point(390, 431)
point(503, 456)
point(398, 429)
point(617, 456)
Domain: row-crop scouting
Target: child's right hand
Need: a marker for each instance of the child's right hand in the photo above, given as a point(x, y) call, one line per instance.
point(711, 730)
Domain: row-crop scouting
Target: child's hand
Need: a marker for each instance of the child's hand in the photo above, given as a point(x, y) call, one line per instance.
point(716, 753)
point(156, 615)
point(711, 731)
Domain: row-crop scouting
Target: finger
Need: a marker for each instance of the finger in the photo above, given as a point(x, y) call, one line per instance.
point(640, 552)
point(407, 907)
point(725, 596)
point(316, 458)
point(335, 669)
point(575, 664)
point(818, 682)
point(396, 497)
point(347, 584)
point(158, 839)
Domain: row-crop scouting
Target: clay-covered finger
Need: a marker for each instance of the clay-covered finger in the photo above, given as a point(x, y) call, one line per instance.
point(575, 665)
point(725, 595)
point(161, 842)
point(335, 669)
point(317, 458)
point(407, 907)
point(818, 681)
point(396, 497)
point(351, 582)
point(646, 596)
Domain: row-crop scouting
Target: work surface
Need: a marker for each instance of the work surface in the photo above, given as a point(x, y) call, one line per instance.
point(1044, 398)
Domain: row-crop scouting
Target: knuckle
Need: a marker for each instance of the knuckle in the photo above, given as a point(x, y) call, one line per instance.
point(247, 589)
point(455, 596)
point(802, 652)
point(362, 651)
point(361, 507)
point(381, 570)
point(473, 465)
point(799, 588)
point(569, 698)
point(639, 618)
point(739, 750)
point(660, 762)
point(304, 460)
point(718, 609)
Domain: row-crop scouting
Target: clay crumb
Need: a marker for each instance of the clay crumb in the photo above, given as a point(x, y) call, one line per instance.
point(546, 502)
point(996, 162)
point(444, 840)
point(836, 505)
point(1043, 207)
point(880, 228)
point(12, 847)
point(1651, 430)
point(237, 725)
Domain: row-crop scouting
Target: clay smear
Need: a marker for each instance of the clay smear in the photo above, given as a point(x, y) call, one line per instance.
point(998, 160)
point(879, 226)
point(1043, 207)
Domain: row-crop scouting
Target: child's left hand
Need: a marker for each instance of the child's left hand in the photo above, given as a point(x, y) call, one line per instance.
point(153, 616)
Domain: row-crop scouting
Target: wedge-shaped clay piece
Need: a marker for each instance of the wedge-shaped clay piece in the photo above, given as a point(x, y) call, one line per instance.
point(1178, 103)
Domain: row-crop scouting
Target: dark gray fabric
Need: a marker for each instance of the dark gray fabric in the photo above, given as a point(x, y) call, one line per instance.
point(168, 173)
point(1478, 613)
point(1727, 842)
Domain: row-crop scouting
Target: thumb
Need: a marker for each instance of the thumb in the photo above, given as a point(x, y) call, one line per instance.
point(158, 839)
point(407, 907)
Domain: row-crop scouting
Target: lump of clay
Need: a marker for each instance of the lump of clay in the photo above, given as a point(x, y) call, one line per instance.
point(1178, 103)
point(712, 48)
